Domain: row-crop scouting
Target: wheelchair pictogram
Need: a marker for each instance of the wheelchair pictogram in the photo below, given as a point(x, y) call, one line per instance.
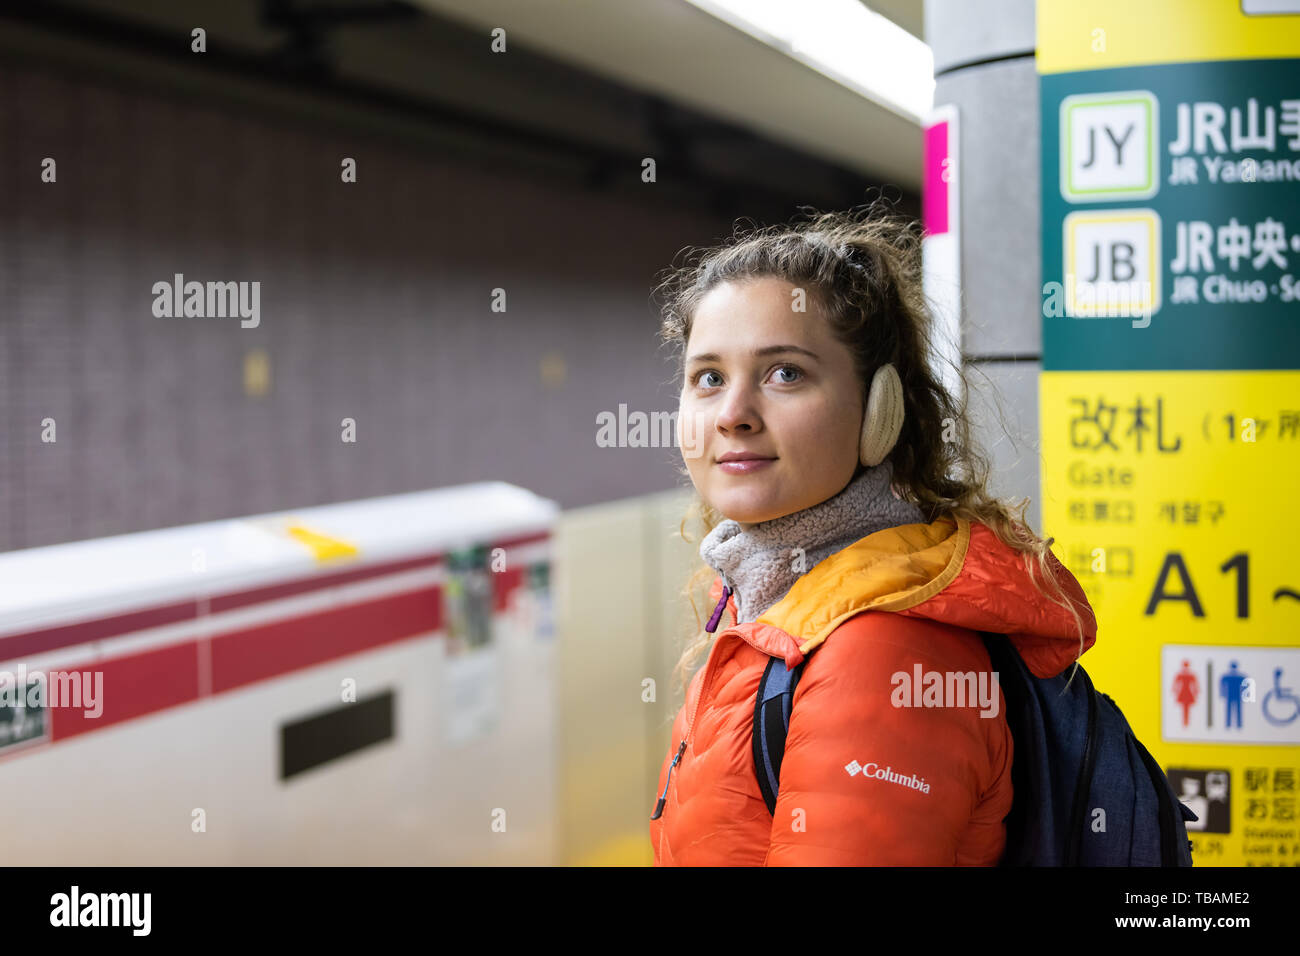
point(1285, 698)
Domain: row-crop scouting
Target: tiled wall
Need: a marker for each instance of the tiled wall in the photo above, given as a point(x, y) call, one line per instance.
point(375, 305)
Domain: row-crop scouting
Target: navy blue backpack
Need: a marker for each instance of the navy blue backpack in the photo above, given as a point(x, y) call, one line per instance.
point(1074, 751)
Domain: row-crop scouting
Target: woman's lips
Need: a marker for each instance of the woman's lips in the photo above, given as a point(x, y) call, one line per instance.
point(745, 467)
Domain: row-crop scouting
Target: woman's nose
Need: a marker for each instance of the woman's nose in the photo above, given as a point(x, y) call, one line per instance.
point(738, 412)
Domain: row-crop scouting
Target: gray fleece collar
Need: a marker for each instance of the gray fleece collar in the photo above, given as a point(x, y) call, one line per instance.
point(761, 563)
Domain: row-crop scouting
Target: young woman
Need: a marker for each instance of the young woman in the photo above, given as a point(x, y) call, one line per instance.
point(849, 528)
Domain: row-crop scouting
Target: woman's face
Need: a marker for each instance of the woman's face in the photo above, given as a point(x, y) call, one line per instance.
point(765, 381)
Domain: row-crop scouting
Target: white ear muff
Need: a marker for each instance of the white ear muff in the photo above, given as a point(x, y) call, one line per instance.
point(883, 420)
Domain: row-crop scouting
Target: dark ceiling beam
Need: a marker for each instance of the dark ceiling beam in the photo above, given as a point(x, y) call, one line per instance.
point(672, 131)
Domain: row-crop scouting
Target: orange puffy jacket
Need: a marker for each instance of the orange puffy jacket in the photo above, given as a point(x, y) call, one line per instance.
point(876, 771)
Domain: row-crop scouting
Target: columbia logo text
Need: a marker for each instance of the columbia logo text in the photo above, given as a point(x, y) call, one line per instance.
point(889, 775)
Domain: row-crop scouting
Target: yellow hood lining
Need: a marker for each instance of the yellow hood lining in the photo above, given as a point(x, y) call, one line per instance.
point(887, 553)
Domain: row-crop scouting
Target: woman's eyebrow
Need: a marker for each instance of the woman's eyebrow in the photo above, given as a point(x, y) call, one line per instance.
point(757, 353)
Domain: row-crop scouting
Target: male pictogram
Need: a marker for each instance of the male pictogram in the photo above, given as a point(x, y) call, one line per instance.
point(1230, 689)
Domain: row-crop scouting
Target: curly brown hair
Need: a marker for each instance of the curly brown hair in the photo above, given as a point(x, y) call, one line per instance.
point(861, 266)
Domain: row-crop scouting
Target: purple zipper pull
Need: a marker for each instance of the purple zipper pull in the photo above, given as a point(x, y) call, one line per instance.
point(717, 611)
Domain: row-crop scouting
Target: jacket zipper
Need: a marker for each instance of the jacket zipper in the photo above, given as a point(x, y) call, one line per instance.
point(704, 684)
point(663, 797)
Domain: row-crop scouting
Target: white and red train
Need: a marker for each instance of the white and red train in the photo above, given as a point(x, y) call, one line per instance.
point(360, 683)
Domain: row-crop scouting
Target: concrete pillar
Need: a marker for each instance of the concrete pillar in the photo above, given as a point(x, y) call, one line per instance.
point(984, 65)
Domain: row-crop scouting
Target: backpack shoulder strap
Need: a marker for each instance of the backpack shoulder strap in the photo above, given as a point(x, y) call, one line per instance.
point(1021, 831)
point(772, 707)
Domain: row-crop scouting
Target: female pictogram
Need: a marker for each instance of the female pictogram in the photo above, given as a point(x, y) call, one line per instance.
point(1186, 689)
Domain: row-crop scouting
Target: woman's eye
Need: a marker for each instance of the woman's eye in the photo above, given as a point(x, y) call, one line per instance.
point(791, 373)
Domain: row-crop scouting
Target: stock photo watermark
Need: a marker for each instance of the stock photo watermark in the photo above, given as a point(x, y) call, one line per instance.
point(129, 910)
point(37, 690)
point(638, 429)
point(211, 300)
point(1101, 299)
point(946, 689)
